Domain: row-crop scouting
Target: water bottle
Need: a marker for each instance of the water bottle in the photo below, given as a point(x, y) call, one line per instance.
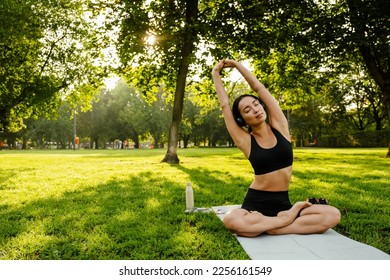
point(189, 197)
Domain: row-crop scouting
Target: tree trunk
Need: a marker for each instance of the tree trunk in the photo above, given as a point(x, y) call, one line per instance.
point(171, 155)
point(186, 51)
point(96, 142)
point(387, 104)
point(24, 145)
point(381, 78)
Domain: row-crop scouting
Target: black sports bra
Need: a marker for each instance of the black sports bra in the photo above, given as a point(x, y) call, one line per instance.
point(267, 160)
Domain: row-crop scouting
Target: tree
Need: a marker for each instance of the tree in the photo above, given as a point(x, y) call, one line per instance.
point(206, 119)
point(370, 23)
point(178, 30)
point(133, 115)
point(307, 37)
point(156, 117)
point(49, 51)
point(188, 123)
point(335, 34)
point(174, 25)
point(298, 39)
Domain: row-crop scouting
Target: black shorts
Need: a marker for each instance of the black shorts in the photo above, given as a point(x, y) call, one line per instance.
point(265, 202)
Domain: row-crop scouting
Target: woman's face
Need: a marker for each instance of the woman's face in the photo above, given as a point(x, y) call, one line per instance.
point(252, 111)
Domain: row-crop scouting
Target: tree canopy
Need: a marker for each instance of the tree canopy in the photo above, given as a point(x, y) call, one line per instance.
point(326, 61)
point(296, 46)
point(49, 51)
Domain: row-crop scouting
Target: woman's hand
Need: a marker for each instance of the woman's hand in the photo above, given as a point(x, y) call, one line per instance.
point(229, 63)
point(224, 63)
point(218, 67)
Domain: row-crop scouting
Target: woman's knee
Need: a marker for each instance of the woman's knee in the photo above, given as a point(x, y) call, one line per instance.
point(333, 216)
point(329, 216)
point(233, 219)
point(337, 215)
point(229, 221)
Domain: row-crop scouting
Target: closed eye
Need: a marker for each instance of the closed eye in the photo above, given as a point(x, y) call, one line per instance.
point(248, 108)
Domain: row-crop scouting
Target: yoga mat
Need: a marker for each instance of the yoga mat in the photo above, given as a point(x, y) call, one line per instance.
point(329, 245)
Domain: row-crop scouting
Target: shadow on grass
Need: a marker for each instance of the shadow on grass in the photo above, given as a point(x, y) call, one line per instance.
point(138, 218)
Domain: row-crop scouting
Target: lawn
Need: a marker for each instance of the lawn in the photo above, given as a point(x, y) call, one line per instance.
point(110, 204)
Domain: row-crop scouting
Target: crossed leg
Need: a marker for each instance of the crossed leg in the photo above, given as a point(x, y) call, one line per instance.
point(250, 224)
point(313, 219)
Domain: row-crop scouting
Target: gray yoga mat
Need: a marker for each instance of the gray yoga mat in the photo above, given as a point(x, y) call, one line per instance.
point(326, 246)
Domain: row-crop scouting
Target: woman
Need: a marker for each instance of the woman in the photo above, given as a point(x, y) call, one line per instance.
point(267, 145)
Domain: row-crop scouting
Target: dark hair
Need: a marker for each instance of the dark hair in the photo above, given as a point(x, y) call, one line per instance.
point(236, 112)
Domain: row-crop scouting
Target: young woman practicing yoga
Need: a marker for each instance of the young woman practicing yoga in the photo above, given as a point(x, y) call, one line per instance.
point(267, 145)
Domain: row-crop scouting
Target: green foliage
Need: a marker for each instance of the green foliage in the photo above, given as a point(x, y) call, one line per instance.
point(148, 65)
point(43, 132)
point(124, 113)
point(319, 58)
point(49, 51)
point(167, 61)
point(301, 47)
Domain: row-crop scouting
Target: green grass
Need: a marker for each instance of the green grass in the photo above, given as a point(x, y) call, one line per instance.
point(128, 205)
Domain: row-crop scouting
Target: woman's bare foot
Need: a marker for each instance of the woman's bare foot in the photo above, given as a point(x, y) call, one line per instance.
point(290, 215)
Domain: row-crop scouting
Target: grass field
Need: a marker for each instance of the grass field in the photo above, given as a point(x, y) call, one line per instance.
point(107, 205)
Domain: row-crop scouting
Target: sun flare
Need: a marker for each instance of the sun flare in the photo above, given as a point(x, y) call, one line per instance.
point(150, 40)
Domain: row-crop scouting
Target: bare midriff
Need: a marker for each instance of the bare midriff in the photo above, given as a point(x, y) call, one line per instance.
point(278, 180)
